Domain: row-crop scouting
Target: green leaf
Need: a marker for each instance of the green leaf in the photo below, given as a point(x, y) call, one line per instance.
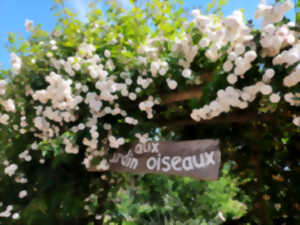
point(222, 3)
point(59, 2)
point(36, 205)
point(211, 5)
point(12, 37)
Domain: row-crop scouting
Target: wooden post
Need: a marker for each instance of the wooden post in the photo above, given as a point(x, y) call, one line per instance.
point(260, 207)
point(102, 196)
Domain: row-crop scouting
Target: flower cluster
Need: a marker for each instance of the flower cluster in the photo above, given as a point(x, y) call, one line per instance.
point(11, 169)
point(16, 63)
point(273, 14)
point(273, 40)
point(61, 101)
point(87, 94)
point(8, 213)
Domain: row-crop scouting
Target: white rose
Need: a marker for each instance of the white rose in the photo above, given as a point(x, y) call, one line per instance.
point(275, 98)
point(266, 89)
point(232, 79)
point(187, 73)
point(227, 66)
point(29, 25)
point(22, 194)
point(204, 42)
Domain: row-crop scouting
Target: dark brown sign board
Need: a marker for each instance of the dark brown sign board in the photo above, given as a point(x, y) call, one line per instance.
point(199, 159)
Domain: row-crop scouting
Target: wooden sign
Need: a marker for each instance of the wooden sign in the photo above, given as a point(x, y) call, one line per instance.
point(199, 159)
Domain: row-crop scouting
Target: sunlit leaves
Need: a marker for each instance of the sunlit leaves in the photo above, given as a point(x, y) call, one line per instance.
point(216, 5)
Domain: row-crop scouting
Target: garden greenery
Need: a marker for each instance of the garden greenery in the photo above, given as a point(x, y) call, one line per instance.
point(87, 89)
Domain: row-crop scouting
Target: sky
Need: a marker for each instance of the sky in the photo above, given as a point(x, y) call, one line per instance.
point(15, 12)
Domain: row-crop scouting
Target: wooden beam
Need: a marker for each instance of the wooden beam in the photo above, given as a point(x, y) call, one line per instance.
point(179, 96)
point(192, 92)
point(237, 117)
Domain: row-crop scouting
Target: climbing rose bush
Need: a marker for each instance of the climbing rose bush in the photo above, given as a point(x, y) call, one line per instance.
point(91, 88)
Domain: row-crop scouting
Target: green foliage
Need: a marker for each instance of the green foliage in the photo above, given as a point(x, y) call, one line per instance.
point(297, 6)
point(216, 5)
point(156, 199)
point(259, 182)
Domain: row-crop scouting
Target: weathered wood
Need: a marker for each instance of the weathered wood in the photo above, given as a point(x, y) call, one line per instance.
point(192, 92)
point(102, 197)
point(237, 117)
point(199, 159)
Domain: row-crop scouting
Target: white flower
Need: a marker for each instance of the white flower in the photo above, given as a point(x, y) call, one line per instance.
point(49, 54)
point(172, 84)
point(163, 70)
point(220, 215)
point(269, 73)
point(41, 123)
point(274, 98)
point(21, 180)
point(272, 14)
point(98, 217)
point(70, 148)
point(290, 98)
point(239, 49)
point(232, 56)
point(270, 29)
point(29, 25)
point(85, 88)
point(154, 68)
point(9, 105)
point(250, 56)
point(2, 87)
point(138, 90)
point(266, 89)
point(142, 138)
point(11, 169)
point(25, 156)
point(293, 78)
point(34, 146)
point(232, 79)
point(296, 121)
point(22, 194)
point(7, 212)
point(144, 82)
point(16, 216)
point(196, 12)
point(107, 53)
point(52, 42)
point(86, 50)
point(227, 66)
point(186, 73)
point(128, 81)
point(131, 120)
point(103, 165)
point(16, 63)
point(212, 53)
point(290, 56)
point(81, 126)
point(114, 142)
point(204, 42)
point(132, 96)
point(107, 126)
point(245, 96)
